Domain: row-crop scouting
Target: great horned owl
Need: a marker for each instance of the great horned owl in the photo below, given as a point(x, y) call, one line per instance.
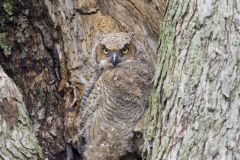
point(115, 103)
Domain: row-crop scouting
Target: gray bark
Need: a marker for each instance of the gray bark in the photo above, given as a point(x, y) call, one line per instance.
point(195, 105)
point(17, 137)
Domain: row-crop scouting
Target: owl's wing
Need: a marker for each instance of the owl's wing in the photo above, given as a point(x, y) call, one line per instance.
point(88, 95)
point(88, 106)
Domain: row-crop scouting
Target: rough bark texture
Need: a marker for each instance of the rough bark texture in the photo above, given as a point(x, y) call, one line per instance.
point(45, 40)
point(194, 111)
point(17, 138)
point(27, 56)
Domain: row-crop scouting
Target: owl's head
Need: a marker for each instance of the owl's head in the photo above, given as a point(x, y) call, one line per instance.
point(114, 49)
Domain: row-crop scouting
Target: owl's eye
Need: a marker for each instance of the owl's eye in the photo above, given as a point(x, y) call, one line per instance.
point(138, 134)
point(105, 50)
point(124, 50)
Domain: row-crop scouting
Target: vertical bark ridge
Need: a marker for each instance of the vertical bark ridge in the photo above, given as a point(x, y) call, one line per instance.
point(197, 80)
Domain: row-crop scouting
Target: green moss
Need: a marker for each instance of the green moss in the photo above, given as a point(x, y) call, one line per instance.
point(39, 152)
point(162, 68)
point(163, 63)
point(153, 114)
point(8, 7)
point(41, 96)
point(4, 44)
point(26, 128)
point(7, 16)
point(37, 148)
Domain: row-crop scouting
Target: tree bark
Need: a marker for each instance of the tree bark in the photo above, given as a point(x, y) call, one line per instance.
point(17, 138)
point(27, 55)
point(194, 109)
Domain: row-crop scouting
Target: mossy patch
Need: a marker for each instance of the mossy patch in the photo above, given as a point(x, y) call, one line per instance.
point(8, 7)
point(4, 44)
point(7, 17)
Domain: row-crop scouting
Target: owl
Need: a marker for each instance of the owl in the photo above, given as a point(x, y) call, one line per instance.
point(115, 103)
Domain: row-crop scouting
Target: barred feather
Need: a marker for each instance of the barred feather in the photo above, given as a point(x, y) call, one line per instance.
point(112, 109)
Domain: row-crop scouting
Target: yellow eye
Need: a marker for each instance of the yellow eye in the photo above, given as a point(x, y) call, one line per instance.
point(138, 134)
point(124, 50)
point(105, 50)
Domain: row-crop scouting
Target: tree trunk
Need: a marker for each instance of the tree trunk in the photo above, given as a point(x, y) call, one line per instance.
point(45, 48)
point(28, 57)
point(195, 105)
point(17, 138)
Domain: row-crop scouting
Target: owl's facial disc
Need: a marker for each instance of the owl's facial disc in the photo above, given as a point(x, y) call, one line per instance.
point(115, 58)
point(114, 55)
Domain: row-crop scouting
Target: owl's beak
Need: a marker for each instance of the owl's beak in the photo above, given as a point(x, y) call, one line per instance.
point(115, 58)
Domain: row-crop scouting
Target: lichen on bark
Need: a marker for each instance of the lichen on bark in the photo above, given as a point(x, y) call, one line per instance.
point(6, 17)
point(197, 82)
point(17, 138)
